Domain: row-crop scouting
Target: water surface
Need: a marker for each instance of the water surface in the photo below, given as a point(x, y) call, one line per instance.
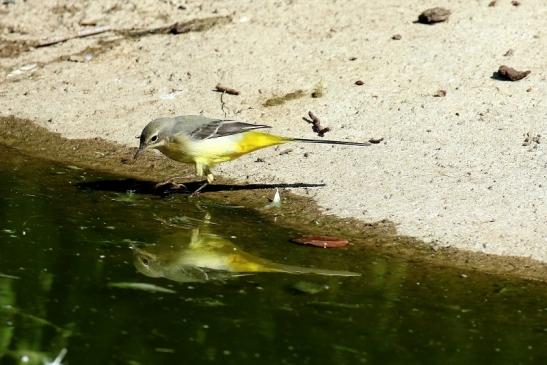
point(115, 278)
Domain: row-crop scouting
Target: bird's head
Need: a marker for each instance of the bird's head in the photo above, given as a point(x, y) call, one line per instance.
point(154, 135)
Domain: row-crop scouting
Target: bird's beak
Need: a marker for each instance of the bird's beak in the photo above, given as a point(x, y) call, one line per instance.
point(139, 151)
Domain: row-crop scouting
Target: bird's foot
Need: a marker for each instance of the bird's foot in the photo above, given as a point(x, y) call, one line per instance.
point(170, 185)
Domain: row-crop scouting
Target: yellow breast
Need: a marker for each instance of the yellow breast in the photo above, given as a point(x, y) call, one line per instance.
point(178, 150)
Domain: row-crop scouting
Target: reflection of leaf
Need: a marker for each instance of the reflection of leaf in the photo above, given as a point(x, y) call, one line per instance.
point(7, 276)
point(457, 308)
point(164, 350)
point(7, 298)
point(58, 360)
point(345, 349)
point(31, 317)
point(306, 287)
point(128, 197)
point(206, 302)
point(151, 288)
point(502, 290)
point(336, 305)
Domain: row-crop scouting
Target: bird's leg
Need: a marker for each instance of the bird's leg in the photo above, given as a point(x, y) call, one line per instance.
point(203, 170)
point(198, 190)
point(199, 168)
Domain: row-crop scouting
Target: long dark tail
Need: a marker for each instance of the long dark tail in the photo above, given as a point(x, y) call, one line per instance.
point(327, 141)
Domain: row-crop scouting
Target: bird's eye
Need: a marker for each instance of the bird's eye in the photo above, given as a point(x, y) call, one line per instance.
point(145, 261)
point(154, 138)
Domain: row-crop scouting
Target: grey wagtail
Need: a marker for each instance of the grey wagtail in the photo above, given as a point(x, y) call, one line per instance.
point(206, 142)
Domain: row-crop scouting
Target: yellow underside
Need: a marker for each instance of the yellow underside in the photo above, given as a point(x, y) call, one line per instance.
point(252, 141)
point(210, 152)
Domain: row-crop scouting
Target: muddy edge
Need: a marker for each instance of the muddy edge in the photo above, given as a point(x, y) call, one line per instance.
point(299, 213)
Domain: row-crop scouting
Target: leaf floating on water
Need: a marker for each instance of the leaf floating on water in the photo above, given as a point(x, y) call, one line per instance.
point(276, 201)
point(7, 276)
point(72, 167)
point(277, 198)
point(151, 288)
point(321, 241)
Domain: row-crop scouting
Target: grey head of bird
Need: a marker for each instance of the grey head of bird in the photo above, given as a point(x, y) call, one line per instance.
point(155, 134)
point(147, 263)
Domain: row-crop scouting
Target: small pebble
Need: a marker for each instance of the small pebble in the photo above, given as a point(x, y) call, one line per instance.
point(434, 15)
point(509, 73)
point(440, 93)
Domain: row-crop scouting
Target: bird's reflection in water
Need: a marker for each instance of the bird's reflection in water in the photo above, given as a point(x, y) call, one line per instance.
point(194, 255)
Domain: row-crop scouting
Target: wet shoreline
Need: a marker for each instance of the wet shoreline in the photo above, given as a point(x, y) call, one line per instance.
point(297, 212)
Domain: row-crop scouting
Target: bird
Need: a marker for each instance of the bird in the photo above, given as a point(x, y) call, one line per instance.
point(206, 142)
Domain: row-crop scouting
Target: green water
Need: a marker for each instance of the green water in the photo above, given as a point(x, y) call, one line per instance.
point(108, 275)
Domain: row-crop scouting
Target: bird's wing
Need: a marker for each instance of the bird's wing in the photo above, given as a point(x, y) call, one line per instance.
point(220, 128)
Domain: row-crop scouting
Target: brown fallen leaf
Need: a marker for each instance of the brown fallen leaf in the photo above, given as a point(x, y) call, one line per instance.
point(321, 241)
point(509, 73)
point(434, 15)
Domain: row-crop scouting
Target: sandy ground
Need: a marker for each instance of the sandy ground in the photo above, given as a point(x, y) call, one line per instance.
point(455, 170)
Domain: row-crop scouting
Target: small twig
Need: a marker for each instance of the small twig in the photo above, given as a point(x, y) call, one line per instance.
point(316, 125)
point(228, 90)
point(194, 25)
point(82, 34)
point(223, 104)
